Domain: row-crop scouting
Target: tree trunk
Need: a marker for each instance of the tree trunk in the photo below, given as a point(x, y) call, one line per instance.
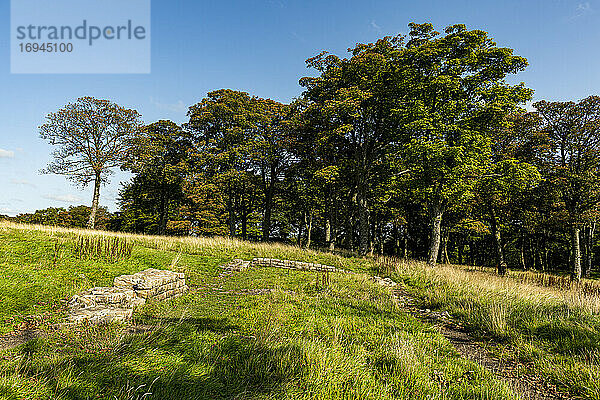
point(363, 220)
point(396, 235)
point(590, 255)
point(500, 263)
point(300, 231)
point(381, 240)
point(436, 230)
point(308, 220)
point(445, 258)
point(334, 224)
point(333, 240)
point(92, 221)
point(266, 226)
point(328, 232)
point(349, 239)
point(231, 214)
point(405, 248)
point(576, 250)
point(588, 246)
point(164, 206)
point(244, 223)
point(522, 252)
point(372, 238)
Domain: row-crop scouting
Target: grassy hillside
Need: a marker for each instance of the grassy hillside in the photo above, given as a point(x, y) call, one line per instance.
point(231, 338)
point(300, 341)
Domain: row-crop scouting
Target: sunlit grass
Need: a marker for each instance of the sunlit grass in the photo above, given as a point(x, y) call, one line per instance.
point(553, 330)
point(301, 339)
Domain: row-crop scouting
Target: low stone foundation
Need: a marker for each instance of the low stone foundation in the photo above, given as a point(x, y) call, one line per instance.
point(108, 304)
point(237, 265)
point(289, 264)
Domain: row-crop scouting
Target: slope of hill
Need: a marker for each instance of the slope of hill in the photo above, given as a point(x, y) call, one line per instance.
point(272, 333)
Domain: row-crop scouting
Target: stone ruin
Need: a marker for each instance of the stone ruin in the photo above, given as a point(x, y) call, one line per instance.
point(237, 265)
point(241, 265)
point(288, 264)
point(154, 284)
point(108, 304)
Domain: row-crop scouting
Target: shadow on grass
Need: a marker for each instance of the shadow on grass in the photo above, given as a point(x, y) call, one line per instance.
point(217, 325)
point(569, 337)
point(173, 362)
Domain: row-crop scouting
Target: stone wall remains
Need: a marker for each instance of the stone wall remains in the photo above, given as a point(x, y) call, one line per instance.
point(289, 264)
point(108, 304)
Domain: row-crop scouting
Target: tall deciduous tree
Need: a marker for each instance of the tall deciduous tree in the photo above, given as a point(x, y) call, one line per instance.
point(508, 178)
point(92, 137)
point(456, 96)
point(574, 133)
point(512, 174)
point(158, 157)
point(221, 127)
point(269, 151)
point(351, 106)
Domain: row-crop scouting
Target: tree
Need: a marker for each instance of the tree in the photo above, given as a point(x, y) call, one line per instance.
point(507, 179)
point(351, 109)
point(203, 209)
point(240, 144)
point(456, 96)
point(221, 126)
point(158, 157)
point(268, 151)
point(574, 133)
point(92, 136)
point(74, 217)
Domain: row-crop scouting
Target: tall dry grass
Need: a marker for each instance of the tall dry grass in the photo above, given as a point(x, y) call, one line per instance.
point(553, 329)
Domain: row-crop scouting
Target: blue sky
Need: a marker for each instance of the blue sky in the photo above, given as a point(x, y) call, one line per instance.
point(260, 47)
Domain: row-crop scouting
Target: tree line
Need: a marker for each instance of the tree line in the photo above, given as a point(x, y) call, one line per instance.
point(414, 145)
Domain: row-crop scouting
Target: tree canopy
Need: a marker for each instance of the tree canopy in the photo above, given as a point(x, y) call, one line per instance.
point(414, 145)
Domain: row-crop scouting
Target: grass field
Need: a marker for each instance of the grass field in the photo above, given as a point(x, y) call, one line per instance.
point(300, 340)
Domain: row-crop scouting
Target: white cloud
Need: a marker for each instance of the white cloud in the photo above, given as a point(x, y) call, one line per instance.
point(9, 211)
point(375, 26)
point(22, 182)
point(178, 107)
point(584, 7)
point(6, 153)
point(65, 198)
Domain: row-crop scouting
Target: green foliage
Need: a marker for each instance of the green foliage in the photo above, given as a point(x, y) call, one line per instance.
point(412, 145)
point(158, 156)
point(73, 217)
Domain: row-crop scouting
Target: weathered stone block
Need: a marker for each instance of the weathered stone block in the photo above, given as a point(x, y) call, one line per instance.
point(107, 304)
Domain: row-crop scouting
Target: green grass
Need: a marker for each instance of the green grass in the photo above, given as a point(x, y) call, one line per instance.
point(348, 340)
